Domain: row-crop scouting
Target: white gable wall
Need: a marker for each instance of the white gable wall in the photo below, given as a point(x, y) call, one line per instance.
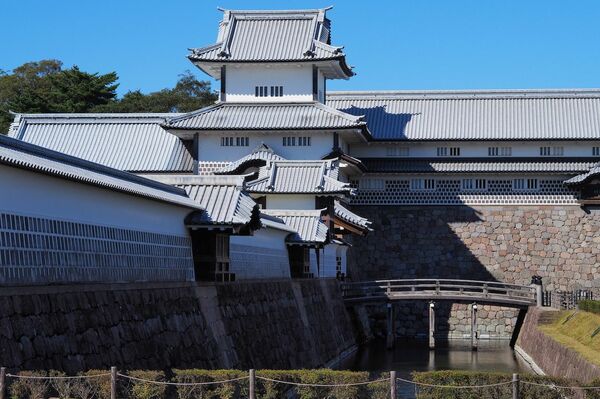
point(290, 201)
point(296, 80)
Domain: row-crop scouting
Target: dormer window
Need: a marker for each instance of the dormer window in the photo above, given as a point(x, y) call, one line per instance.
point(268, 91)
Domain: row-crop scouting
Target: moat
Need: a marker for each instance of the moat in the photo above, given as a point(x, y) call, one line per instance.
point(408, 356)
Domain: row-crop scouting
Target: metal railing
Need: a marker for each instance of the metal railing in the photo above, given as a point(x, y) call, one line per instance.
point(432, 289)
point(563, 299)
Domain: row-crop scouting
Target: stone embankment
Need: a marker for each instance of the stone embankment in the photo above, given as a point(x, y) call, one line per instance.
point(500, 243)
point(549, 355)
point(269, 324)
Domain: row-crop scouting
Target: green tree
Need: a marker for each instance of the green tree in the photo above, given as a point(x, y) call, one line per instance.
point(44, 86)
point(72, 90)
point(189, 94)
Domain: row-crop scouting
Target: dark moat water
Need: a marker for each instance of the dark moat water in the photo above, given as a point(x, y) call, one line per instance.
point(409, 356)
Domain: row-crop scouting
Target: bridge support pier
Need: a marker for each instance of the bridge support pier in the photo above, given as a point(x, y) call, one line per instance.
point(391, 335)
point(474, 333)
point(431, 325)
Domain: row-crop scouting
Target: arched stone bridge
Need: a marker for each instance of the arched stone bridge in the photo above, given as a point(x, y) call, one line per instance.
point(433, 290)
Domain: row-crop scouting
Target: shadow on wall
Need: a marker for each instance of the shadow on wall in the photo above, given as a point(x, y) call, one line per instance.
point(418, 242)
point(377, 116)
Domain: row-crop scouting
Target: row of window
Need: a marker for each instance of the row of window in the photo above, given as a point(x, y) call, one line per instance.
point(545, 151)
point(290, 141)
point(268, 91)
point(302, 141)
point(235, 141)
point(520, 184)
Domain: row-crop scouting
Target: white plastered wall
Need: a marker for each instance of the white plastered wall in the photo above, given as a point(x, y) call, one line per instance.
point(474, 149)
point(295, 79)
point(210, 149)
point(34, 194)
point(263, 255)
point(290, 201)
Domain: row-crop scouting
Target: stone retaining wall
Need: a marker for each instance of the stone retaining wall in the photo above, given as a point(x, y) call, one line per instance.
point(554, 359)
point(561, 243)
point(262, 324)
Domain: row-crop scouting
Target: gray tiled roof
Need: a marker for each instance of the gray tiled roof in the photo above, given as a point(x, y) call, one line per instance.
point(259, 36)
point(222, 197)
point(260, 116)
point(262, 153)
point(351, 217)
point(131, 142)
point(27, 156)
point(307, 223)
point(478, 165)
point(476, 115)
point(594, 171)
point(318, 177)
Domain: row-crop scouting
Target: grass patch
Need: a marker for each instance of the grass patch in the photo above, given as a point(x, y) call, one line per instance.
point(576, 331)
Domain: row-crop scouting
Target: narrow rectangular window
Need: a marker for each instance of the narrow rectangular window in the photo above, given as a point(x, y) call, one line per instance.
point(422, 184)
point(530, 184)
point(255, 91)
point(467, 184)
point(596, 151)
point(442, 151)
point(280, 91)
point(493, 151)
point(545, 151)
point(273, 91)
point(454, 151)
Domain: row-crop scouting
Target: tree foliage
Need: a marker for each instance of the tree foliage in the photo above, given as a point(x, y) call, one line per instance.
point(46, 87)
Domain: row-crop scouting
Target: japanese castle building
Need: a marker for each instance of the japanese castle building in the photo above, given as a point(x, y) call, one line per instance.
point(279, 162)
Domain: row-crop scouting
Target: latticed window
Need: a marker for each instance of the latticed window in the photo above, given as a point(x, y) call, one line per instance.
point(525, 184)
point(448, 151)
point(268, 91)
point(474, 184)
point(292, 141)
point(422, 184)
point(499, 151)
point(547, 151)
point(397, 151)
point(235, 141)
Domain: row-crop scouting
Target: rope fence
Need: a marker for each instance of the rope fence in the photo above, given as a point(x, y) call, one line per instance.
point(251, 378)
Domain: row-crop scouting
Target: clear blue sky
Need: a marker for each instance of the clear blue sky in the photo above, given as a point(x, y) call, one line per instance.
point(400, 44)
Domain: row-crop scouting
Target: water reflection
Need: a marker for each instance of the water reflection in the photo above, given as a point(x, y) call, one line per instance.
point(409, 356)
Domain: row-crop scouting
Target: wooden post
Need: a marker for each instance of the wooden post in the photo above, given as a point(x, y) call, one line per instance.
point(538, 294)
point(474, 334)
point(431, 325)
point(393, 394)
point(389, 344)
point(252, 384)
point(113, 382)
point(2, 382)
point(515, 386)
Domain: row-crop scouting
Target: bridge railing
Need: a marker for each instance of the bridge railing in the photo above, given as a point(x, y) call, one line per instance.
point(432, 288)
